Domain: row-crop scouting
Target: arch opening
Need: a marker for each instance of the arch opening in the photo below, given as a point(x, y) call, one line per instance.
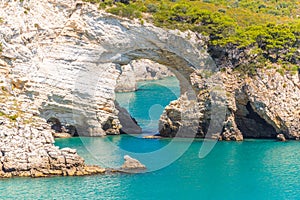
point(147, 100)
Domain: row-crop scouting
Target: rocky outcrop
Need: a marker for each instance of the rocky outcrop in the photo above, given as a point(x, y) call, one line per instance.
point(265, 105)
point(132, 164)
point(280, 137)
point(146, 70)
point(140, 70)
point(71, 53)
point(127, 80)
point(181, 118)
point(132, 126)
point(26, 141)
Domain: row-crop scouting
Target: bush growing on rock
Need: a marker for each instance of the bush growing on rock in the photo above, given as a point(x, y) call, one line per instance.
point(244, 24)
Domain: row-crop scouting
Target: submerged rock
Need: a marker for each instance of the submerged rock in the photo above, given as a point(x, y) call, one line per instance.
point(152, 137)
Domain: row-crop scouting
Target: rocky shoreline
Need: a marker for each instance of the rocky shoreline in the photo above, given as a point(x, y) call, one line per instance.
point(26, 142)
point(63, 60)
point(265, 105)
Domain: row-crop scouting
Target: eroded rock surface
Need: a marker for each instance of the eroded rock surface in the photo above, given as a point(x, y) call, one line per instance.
point(132, 164)
point(265, 105)
point(26, 142)
point(71, 52)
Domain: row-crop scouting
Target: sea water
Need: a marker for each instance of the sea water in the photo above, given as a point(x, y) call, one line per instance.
point(252, 169)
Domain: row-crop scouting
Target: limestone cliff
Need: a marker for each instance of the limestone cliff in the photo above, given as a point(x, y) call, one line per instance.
point(70, 53)
point(259, 106)
point(26, 141)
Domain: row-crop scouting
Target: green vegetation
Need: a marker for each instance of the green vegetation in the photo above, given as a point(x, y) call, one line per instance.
point(130, 11)
point(37, 26)
point(269, 28)
point(13, 117)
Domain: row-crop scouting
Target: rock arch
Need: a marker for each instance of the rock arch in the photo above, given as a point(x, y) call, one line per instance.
point(72, 59)
point(69, 55)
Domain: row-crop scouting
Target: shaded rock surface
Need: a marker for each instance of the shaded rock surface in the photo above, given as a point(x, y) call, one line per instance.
point(261, 106)
point(132, 126)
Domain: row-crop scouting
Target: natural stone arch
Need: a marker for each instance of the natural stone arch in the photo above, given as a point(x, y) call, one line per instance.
point(71, 60)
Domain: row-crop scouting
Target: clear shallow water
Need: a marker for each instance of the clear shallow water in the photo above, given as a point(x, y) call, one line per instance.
point(253, 169)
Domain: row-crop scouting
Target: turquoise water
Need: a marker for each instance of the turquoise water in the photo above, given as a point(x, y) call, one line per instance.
point(259, 169)
point(252, 169)
point(147, 103)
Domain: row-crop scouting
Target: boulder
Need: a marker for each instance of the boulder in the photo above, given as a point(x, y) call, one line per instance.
point(280, 137)
point(132, 164)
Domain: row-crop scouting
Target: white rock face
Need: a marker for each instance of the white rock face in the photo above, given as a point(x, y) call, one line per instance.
point(127, 80)
point(70, 53)
point(26, 141)
point(145, 70)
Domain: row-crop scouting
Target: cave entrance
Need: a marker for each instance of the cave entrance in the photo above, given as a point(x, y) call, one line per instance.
point(251, 124)
point(155, 86)
point(59, 127)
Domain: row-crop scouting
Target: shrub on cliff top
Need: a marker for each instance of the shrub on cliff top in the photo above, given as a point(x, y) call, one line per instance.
point(271, 28)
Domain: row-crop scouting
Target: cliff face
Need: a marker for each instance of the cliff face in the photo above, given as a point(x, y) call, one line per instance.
point(69, 55)
point(260, 106)
point(26, 141)
point(70, 52)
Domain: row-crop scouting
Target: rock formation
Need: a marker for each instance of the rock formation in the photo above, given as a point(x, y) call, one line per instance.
point(280, 137)
point(132, 126)
point(26, 141)
point(71, 54)
point(62, 60)
point(132, 164)
point(262, 106)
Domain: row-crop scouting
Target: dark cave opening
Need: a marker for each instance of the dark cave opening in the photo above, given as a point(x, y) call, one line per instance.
point(58, 127)
point(251, 124)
